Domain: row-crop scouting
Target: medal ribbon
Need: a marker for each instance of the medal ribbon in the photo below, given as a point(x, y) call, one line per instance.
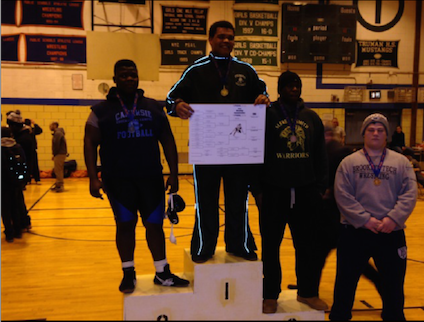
point(131, 113)
point(225, 77)
point(380, 165)
point(291, 123)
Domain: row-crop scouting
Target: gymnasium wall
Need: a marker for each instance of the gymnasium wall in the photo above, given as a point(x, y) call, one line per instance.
point(44, 92)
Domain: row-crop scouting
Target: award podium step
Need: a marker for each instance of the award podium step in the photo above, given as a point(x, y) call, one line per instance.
point(224, 288)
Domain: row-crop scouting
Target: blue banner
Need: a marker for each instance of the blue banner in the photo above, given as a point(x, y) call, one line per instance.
point(56, 49)
point(8, 13)
point(377, 53)
point(9, 48)
point(53, 13)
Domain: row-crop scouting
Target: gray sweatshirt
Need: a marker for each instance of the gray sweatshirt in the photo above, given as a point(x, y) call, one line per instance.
point(358, 198)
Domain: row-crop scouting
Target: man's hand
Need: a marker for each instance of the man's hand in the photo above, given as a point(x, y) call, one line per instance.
point(262, 99)
point(183, 110)
point(172, 184)
point(95, 186)
point(387, 225)
point(373, 224)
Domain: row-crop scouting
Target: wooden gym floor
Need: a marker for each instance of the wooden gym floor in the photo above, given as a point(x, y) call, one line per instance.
point(67, 267)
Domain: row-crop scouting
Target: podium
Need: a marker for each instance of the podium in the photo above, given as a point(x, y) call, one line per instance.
point(226, 287)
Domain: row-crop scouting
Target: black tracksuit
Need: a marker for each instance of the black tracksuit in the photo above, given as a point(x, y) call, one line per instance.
point(201, 83)
point(292, 180)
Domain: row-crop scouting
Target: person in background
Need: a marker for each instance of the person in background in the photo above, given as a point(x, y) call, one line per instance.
point(22, 135)
point(220, 79)
point(288, 189)
point(339, 132)
point(409, 153)
point(35, 130)
point(14, 213)
point(128, 127)
point(398, 140)
point(376, 191)
point(60, 152)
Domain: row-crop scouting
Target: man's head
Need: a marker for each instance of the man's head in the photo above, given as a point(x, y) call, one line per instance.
point(126, 76)
point(289, 87)
point(221, 38)
point(328, 133)
point(14, 120)
point(375, 129)
point(54, 126)
point(335, 122)
point(398, 129)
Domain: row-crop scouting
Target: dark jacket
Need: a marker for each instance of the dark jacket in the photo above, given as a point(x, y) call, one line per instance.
point(201, 83)
point(293, 164)
point(59, 142)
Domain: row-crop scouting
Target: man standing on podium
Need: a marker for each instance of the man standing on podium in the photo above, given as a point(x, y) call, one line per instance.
point(219, 79)
point(127, 127)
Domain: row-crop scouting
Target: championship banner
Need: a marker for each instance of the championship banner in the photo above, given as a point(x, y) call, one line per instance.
point(56, 49)
point(178, 20)
point(257, 53)
point(8, 13)
point(53, 13)
point(9, 47)
point(377, 53)
point(181, 52)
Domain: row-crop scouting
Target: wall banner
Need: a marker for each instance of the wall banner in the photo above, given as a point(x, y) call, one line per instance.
point(377, 53)
point(53, 13)
point(256, 23)
point(181, 52)
point(56, 49)
point(184, 20)
point(8, 13)
point(259, 53)
point(9, 47)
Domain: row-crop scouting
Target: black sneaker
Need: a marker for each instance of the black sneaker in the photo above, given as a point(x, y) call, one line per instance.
point(166, 278)
point(201, 258)
point(252, 256)
point(129, 281)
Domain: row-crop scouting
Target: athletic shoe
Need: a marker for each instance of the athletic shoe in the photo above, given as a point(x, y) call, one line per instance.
point(129, 281)
point(201, 258)
point(59, 189)
point(166, 278)
point(252, 256)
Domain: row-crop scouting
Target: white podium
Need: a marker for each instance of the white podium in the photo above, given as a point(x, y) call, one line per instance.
point(224, 288)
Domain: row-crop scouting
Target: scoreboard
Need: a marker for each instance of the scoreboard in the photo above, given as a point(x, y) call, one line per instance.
point(315, 33)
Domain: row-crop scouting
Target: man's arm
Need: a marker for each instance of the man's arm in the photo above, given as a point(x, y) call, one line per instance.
point(37, 129)
point(170, 150)
point(178, 96)
point(91, 142)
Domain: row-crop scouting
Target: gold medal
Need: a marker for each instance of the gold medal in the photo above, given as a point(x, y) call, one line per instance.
point(377, 181)
point(224, 91)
